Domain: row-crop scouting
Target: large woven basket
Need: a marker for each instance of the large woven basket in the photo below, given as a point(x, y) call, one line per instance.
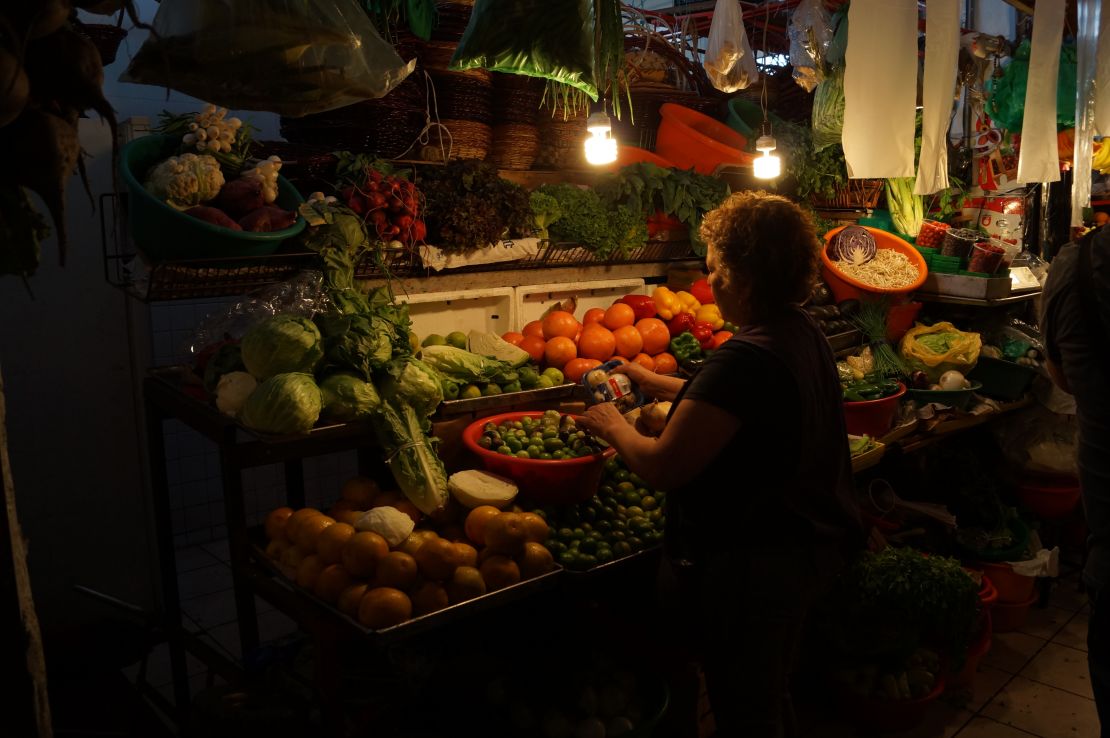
point(562, 133)
point(856, 194)
point(452, 19)
point(468, 140)
point(514, 146)
point(462, 97)
point(516, 98)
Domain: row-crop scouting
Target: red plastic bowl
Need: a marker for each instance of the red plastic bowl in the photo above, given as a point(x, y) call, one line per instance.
point(873, 417)
point(1010, 586)
point(547, 482)
point(979, 648)
point(1049, 501)
point(1010, 616)
point(887, 715)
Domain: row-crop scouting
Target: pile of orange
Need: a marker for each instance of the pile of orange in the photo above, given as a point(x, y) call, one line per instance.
point(359, 573)
point(559, 340)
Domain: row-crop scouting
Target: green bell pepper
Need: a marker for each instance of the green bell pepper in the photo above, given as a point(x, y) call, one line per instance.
point(685, 347)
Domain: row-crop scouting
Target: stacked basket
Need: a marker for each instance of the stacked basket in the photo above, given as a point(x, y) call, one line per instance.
point(516, 138)
point(562, 133)
point(462, 103)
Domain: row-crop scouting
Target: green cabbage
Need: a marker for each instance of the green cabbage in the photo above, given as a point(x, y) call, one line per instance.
point(358, 343)
point(419, 385)
point(283, 404)
point(464, 366)
point(346, 397)
point(282, 344)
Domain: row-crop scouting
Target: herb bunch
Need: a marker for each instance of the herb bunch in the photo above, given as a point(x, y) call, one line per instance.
point(468, 206)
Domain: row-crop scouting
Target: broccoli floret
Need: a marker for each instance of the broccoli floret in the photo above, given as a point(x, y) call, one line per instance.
point(186, 180)
point(545, 211)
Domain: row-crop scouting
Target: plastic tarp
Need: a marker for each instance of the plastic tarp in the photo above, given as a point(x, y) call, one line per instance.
point(1039, 160)
point(1102, 76)
point(942, 51)
point(880, 88)
point(1086, 62)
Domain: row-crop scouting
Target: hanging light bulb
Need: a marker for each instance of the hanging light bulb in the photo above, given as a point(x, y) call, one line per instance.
point(601, 147)
point(768, 165)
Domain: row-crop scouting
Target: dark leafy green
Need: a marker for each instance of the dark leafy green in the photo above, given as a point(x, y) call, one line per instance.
point(469, 206)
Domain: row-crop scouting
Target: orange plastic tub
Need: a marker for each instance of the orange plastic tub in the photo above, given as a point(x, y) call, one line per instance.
point(844, 287)
point(634, 155)
point(692, 139)
point(1011, 586)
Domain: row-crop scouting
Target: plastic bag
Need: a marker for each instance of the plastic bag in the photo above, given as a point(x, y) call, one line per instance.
point(729, 61)
point(292, 57)
point(537, 38)
point(1006, 97)
point(939, 348)
point(1039, 440)
point(827, 118)
point(810, 33)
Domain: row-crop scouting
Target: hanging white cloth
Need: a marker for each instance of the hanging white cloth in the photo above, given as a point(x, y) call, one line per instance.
point(1102, 76)
point(1087, 53)
point(880, 88)
point(1039, 160)
point(942, 52)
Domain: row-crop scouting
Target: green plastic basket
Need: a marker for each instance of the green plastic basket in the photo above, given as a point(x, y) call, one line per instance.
point(746, 118)
point(1001, 379)
point(958, 399)
point(165, 234)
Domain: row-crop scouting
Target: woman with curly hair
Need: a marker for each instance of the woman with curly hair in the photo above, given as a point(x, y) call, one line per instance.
point(760, 513)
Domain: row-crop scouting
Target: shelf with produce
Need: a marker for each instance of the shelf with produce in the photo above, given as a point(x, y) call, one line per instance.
point(970, 301)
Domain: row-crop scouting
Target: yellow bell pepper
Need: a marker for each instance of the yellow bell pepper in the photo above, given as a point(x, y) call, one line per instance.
point(667, 304)
point(710, 314)
point(690, 303)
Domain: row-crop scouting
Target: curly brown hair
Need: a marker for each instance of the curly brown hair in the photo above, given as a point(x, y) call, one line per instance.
point(768, 244)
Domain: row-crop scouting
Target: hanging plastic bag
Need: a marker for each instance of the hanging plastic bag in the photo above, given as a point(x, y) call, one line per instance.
point(827, 118)
point(536, 38)
point(1006, 97)
point(939, 348)
point(292, 57)
point(810, 33)
point(729, 61)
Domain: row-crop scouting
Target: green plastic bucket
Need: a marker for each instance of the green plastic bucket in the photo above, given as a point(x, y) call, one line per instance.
point(1001, 379)
point(165, 234)
point(746, 118)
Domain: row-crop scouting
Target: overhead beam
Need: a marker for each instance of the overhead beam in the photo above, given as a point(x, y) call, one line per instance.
point(1021, 5)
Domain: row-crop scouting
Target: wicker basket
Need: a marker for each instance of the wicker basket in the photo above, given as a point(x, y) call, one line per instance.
point(451, 20)
point(562, 133)
point(516, 98)
point(462, 97)
point(106, 38)
point(468, 140)
point(514, 146)
point(857, 194)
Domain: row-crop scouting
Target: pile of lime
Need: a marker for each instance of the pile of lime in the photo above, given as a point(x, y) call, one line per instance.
point(551, 437)
point(528, 377)
point(625, 516)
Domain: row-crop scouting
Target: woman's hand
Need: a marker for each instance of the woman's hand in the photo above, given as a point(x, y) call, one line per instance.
point(659, 386)
point(604, 421)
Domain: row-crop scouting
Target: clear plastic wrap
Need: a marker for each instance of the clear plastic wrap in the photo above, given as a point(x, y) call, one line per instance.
point(1040, 440)
point(292, 57)
point(810, 33)
point(1086, 62)
point(729, 60)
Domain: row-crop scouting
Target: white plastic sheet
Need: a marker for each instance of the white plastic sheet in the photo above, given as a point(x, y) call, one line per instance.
point(1086, 61)
point(1102, 76)
point(880, 88)
point(942, 51)
point(1039, 160)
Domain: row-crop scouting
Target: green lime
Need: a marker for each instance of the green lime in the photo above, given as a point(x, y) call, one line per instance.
point(621, 548)
point(450, 390)
point(617, 535)
point(588, 546)
point(635, 543)
point(469, 392)
point(555, 547)
point(649, 503)
point(586, 561)
point(512, 387)
point(528, 377)
point(491, 389)
point(634, 511)
point(434, 339)
point(623, 489)
point(604, 553)
point(578, 533)
point(544, 382)
point(546, 456)
point(456, 339)
point(534, 452)
point(551, 372)
point(552, 444)
point(605, 491)
point(568, 558)
point(623, 475)
point(636, 480)
point(612, 466)
point(640, 524)
point(604, 525)
point(632, 499)
point(522, 454)
point(652, 537)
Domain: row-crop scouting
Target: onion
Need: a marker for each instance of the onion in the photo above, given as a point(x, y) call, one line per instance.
point(854, 245)
point(953, 380)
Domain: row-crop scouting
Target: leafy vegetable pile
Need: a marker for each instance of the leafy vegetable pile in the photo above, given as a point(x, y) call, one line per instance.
point(469, 206)
point(577, 215)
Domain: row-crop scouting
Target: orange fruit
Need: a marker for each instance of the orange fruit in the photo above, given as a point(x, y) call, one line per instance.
point(476, 522)
point(655, 335)
point(350, 517)
point(629, 342)
point(454, 533)
point(437, 559)
point(360, 491)
point(308, 571)
point(618, 315)
point(534, 345)
point(499, 571)
point(533, 328)
point(506, 533)
point(665, 363)
point(277, 547)
point(294, 521)
point(559, 323)
point(574, 369)
point(559, 351)
point(309, 531)
point(387, 499)
point(484, 554)
point(409, 509)
point(331, 582)
point(429, 597)
point(512, 337)
point(275, 523)
point(593, 315)
point(645, 361)
point(340, 507)
point(396, 569)
point(415, 540)
point(350, 598)
point(382, 607)
point(467, 555)
point(330, 543)
point(362, 552)
point(535, 527)
point(292, 557)
point(534, 560)
point(597, 342)
point(466, 584)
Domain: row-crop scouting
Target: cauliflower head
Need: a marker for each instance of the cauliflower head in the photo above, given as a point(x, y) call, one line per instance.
point(186, 180)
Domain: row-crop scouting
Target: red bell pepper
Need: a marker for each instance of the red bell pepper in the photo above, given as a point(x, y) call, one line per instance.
point(702, 291)
point(704, 333)
point(642, 305)
point(720, 337)
point(680, 324)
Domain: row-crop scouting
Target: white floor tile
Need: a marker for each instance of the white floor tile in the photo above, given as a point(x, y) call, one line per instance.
point(1044, 711)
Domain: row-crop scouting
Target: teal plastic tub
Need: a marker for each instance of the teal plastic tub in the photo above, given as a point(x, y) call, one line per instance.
point(1001, 379)
point(165, 234)
point(746, 118)
point(958, 399)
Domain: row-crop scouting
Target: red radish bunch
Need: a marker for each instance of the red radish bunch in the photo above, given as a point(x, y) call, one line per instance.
point(390, 205)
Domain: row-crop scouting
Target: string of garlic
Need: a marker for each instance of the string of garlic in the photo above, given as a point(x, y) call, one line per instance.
point(266, 172)
point(210, 132)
